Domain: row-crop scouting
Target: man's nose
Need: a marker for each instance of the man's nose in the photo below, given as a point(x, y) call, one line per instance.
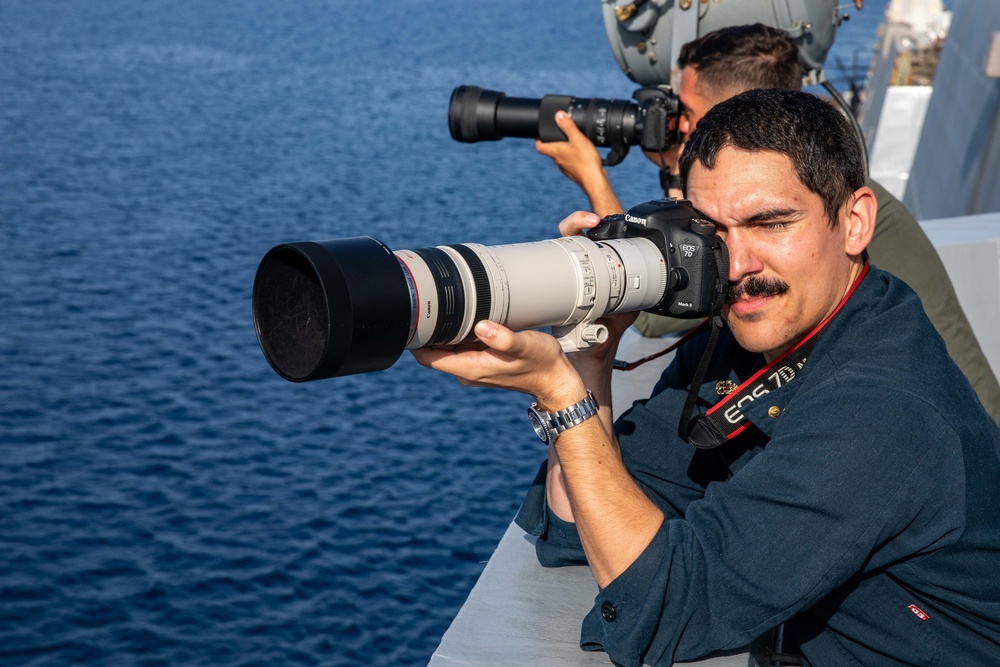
point(743, 258)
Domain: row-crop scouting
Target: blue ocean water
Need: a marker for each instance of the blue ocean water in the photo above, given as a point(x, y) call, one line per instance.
point(166, 499)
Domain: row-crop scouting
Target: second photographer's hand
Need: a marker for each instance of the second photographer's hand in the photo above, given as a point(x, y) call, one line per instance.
point(578, 159)
point(587, 482)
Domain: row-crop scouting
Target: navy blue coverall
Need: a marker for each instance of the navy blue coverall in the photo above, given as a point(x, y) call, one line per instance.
point(861, 508)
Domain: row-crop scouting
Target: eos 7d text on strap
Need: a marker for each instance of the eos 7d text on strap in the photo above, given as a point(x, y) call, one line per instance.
point(725, 420)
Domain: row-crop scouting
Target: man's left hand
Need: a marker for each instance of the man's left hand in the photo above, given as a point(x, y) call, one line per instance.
point(531, 362)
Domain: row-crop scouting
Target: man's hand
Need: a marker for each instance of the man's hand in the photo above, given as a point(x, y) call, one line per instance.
point(576, 223)
point(531, 362)
point(579, 160)
point(616, 521)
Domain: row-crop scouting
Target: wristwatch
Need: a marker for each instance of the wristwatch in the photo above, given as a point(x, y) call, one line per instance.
point(548, 425)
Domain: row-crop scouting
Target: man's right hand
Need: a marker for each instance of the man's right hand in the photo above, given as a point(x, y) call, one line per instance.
point(579, 160)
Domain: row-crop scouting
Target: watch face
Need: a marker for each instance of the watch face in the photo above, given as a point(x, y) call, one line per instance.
point(536, 423)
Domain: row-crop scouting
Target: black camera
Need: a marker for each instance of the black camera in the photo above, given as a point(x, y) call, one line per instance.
point(330, 308)
point(650, 122)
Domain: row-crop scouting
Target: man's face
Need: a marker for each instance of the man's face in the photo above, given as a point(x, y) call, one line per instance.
point(694, 104)
point(788, 269)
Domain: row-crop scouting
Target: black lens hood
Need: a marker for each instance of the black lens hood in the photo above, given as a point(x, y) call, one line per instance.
point(328, 308)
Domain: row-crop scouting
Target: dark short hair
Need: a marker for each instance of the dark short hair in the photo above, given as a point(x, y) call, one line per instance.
point(814, 134)
point(742, 57)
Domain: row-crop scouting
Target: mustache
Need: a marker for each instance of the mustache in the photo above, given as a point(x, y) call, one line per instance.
point(756, 287)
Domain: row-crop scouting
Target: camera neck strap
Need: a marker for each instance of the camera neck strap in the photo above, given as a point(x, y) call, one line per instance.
point(620, 365)
point(670, 181)
point(725, 420)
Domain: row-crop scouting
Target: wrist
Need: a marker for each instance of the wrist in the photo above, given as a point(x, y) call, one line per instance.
point(559, 387)
point(560, 397)
point(548, 425)
point(602, 196)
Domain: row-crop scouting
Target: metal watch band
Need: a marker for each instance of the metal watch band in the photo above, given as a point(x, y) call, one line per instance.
point(548, 425)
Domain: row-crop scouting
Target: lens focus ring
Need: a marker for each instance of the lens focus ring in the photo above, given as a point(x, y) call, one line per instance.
point(480, 280)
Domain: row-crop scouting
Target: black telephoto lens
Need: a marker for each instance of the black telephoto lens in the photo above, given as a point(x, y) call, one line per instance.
point(475, 114)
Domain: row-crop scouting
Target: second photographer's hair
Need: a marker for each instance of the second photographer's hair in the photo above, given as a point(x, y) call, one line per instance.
point(814, 134)
point(742, 57)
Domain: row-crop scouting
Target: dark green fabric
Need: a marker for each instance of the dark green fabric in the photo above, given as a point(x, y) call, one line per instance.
point(900, 247)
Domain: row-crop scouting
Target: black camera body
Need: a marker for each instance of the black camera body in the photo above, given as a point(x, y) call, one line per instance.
point(650, 122)
point(696, 257)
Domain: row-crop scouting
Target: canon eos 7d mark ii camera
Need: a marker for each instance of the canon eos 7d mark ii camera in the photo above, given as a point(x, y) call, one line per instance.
point(650, 122)
point(330, 308)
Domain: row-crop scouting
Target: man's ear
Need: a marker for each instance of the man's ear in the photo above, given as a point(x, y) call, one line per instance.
point(859, 220)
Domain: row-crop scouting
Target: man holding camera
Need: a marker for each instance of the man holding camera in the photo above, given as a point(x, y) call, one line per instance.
point(855, 503)
point(729, 61)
